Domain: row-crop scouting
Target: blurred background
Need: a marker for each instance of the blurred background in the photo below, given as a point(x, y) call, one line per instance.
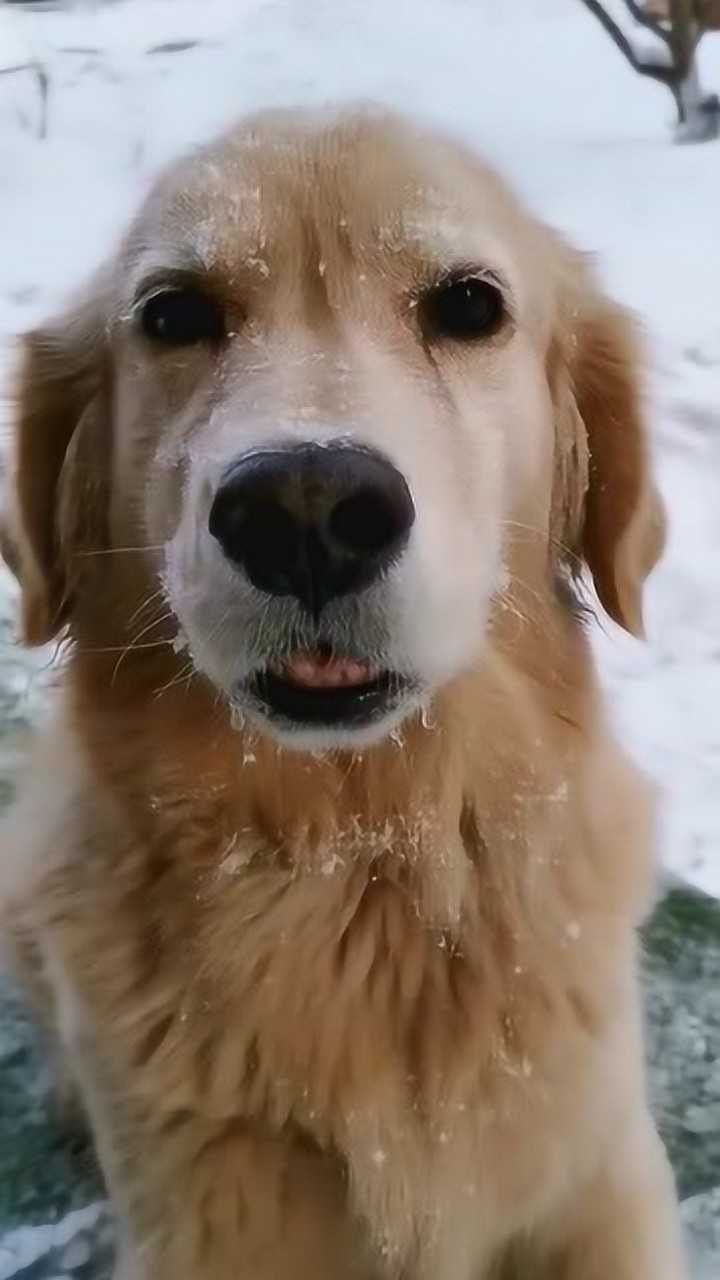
point(604, 115)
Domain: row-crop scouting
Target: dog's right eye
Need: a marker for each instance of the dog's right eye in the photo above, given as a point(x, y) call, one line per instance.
point(182, 317)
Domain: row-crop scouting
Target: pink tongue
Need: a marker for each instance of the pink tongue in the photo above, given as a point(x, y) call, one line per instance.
point(326, 673)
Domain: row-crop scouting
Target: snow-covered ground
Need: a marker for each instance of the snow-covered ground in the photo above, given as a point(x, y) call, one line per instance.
point(534, 84)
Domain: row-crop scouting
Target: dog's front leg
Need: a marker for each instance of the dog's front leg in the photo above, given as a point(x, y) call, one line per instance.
point(222, 1201)
point(625, 1225)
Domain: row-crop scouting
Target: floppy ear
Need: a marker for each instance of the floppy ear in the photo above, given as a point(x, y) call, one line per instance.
point(59, 383)
point(613, 516)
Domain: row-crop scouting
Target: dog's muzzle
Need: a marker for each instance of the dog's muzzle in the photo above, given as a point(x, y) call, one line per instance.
point(316, 523)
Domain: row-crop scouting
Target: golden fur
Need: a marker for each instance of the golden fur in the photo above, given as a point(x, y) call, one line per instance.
point(352, 1013)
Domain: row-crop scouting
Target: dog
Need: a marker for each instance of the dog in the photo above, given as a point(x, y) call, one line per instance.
point(327, 872)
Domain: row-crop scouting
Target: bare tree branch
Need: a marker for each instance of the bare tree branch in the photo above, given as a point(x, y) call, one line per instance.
point(41, 79)
point(665, 75)
point(644, 20)
point(685, 33)
point(682, 26)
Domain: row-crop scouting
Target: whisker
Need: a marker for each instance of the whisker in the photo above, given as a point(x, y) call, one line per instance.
point(149, 644)
point(146, 604)
point(262, 625)
point(217, 629)
point(185, 676)
point(124, 648)
point(117, 551)
point(187, 673)
point(543, 533)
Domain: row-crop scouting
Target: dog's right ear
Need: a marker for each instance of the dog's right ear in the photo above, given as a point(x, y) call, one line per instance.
point(607, 511)
point(60, 378)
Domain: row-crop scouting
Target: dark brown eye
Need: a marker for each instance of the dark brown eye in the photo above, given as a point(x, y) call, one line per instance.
point(462, 310)
point(182, 317)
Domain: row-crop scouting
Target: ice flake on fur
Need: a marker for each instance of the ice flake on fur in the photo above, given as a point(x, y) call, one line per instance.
point(233, 864)
point(442, 229)
point(560, 794)
point(180, 641)
point(427, 718)
point(237, 717)
point(260, 265)
point(232, 861)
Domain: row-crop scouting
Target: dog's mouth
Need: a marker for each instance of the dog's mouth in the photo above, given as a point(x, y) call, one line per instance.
point(326, 689)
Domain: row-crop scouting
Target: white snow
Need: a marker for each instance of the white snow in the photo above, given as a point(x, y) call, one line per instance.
point(20, 1248)
point(538, 87)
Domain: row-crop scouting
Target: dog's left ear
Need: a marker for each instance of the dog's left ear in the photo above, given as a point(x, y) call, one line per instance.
point(619, 522)
point(48, 500)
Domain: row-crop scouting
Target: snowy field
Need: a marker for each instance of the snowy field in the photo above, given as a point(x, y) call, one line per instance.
point(536, 86)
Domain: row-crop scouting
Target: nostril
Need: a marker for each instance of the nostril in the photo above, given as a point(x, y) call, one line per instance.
point(363, 523)
point(262, 536)
point(370, 522)
point(269, 549)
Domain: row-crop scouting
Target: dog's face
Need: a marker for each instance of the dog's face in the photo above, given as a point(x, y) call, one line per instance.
point(334, 382)
point(333, 402)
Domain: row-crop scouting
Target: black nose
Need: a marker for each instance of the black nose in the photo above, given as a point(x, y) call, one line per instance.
point(312, 521)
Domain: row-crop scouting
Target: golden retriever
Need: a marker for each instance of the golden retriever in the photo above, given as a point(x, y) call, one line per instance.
point(328, 872)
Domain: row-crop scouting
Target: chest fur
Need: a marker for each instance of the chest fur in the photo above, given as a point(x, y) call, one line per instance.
point(446, 1048)
point(328, 998)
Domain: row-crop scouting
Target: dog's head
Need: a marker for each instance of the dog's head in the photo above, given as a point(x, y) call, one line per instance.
point(335, 398)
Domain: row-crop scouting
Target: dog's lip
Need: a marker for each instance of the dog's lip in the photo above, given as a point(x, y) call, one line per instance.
point(325, 690)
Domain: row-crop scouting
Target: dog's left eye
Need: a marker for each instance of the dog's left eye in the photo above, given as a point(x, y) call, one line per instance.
point(182, 317)
point(462, 309)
